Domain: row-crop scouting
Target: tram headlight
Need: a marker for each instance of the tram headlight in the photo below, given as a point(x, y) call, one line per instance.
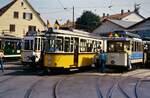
point(33, 53)
point(112, 62)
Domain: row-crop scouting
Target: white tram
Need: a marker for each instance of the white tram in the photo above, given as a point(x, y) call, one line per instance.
point(32, 46)
point(118, 50)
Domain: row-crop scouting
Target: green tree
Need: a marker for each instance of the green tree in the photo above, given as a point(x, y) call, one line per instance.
point(88, 21)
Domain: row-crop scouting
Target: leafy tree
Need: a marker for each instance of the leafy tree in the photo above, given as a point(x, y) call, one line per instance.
point(88, 21)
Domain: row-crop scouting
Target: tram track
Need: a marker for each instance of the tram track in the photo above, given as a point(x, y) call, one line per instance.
point(98, 90)
point(61, 82)
point(56, 87)
point(31, 88)
point(137, 86)
point(110, 91)
point(122, 89)
point(118, 85)
point(9, 78)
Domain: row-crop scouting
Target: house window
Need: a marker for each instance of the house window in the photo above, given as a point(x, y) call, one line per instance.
point(32, 28)
point(27, 16)
point(16, 15)
point(12, 28)
point(22, 3)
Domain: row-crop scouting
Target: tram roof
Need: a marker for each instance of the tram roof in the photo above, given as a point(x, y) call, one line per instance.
point(122, 39)
point(9, 37)
point(76, 32)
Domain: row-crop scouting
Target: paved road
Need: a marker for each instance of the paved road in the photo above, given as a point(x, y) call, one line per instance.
point(16, 83)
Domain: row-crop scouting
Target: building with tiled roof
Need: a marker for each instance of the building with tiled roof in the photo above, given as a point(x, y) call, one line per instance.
point(126, 16)
point(18, 17)
point(121, 21)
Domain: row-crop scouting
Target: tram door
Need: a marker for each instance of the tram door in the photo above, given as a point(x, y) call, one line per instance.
point(76, 51)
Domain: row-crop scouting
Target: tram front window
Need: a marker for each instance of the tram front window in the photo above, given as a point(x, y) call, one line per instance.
point(59, 44)
point(37, 44)
point(115, 47)
point(28, 45)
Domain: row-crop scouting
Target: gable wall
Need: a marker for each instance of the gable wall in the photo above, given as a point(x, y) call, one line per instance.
point(133, 17)
point(142, 26)
point(21, 24)
point(107, 27)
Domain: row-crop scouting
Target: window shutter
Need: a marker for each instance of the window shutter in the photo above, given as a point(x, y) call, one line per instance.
point(24, 15)
point(31, 16)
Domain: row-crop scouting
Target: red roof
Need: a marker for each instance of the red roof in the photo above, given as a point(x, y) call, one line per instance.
point(117, 16)
point(6, 7)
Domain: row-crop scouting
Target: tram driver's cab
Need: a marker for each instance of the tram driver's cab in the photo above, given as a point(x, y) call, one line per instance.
point(31, 49)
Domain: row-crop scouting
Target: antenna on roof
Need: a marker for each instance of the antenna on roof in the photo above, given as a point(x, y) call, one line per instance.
point(137, 7)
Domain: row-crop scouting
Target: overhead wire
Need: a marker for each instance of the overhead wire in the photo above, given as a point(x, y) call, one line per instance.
point(61, 4)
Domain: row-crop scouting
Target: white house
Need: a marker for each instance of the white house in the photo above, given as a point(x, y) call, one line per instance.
point(18, 17)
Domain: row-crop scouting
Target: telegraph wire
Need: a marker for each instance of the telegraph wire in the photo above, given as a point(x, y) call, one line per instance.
point(61, 4)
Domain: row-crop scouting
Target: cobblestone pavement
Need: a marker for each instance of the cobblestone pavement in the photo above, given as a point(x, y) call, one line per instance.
point(16, 83)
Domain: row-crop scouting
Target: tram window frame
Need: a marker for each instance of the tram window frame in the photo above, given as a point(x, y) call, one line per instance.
point(66, 44)
point(72, 44)
point(50, 45)
point(89, 45)
point(112, 46)
point(28, 45)
point(0, 44)
point(94, 46)
point(58, 45)
point(39, 44)
point(83, 45)
point(99, 45)
point(35, 44)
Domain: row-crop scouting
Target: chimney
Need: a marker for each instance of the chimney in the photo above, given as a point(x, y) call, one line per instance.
point(103, 15)
point(122, 12)
point(107, 15)
point(128, 11)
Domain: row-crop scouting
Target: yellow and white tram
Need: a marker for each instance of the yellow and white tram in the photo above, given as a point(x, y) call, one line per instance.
point(32, 46)
point(119, 49)
point(70, 49)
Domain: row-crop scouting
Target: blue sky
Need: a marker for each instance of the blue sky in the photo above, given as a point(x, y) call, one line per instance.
point(62, 9)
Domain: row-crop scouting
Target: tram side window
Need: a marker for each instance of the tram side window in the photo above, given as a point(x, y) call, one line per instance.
point(39, 41)
point(12, 47)
point(50, 45)
point(89, 46)
point(67, 45)
point(72, 40)
point(59, 44)
point(18, 47)
point(94, 46)
point(83, 45)
point(0, 44)
point(98, 45)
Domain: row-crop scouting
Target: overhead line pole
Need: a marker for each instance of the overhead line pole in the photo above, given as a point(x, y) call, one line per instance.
point(73, 17)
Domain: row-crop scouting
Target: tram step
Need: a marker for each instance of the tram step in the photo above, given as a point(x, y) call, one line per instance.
point(73, 69)
point(73, 66)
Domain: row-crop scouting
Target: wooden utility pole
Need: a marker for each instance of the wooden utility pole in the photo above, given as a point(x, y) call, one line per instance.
point(73, 17)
